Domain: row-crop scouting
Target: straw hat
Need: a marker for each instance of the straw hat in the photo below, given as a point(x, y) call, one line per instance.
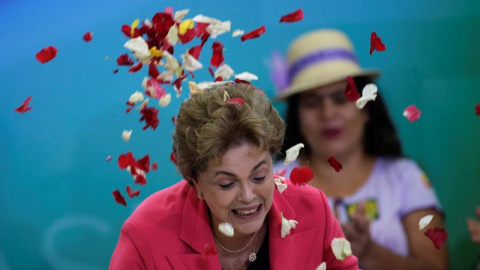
point(319, 58)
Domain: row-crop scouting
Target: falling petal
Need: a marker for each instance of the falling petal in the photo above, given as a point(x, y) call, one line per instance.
point(246, 76)
point(369, 93)
point(376, 43)
point(124, 60)
point(322, 266)
point(335, 164)
point(136, 97)
point(109, 158)
point(24, 107)
point(351, 91)
point(341, 248)
point(190, 63)
point(253, 34)
point(165, 100)
point(226, 228)
point(150, 116)
point(46, 54)
point(224, 71)
point(293, 17)
point(412, 113)
point(119, 198)
point(217, 56)
point(238, 101)
point(136, 67)
point(139, 48)
point(172, 35)
point(301, 176)
point(126, 135)
point(292, 153)
point(438, 236)
point(279, 182)
point(237, 33)
point(180, 14)
point(87, 37)
point(287, 226)
point(154, 166)
point(132, 193)
point(424, 221)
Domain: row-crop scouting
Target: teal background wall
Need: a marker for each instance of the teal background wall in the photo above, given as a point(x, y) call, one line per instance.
point(55, 184)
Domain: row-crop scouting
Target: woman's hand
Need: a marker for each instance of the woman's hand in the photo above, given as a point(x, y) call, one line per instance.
point(474, 227)
point(357, 232)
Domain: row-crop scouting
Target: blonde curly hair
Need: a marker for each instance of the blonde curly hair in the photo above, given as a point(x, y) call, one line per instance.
point(207, 126)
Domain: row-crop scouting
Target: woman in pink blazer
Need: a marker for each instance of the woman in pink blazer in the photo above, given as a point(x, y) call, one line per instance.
point(230, 212)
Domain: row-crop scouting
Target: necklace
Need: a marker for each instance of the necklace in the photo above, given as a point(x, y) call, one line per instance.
point(252, 257)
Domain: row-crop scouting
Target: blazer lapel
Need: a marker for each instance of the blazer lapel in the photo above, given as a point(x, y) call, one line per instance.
point(193, 261)
point(292, 251)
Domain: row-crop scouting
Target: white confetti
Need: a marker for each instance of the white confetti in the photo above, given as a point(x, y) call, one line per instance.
point(139, 48)
point(369, 93)
point(279, 182)
point(136, 97)
point(237, 33)
point(190, 63)
point(126, 134)
point(224, 71)
point(341, 248)
point(292, 153)
point(246, 76)
point(226, 228)
point(287, 225)
point(165, 100)
point(424, 221)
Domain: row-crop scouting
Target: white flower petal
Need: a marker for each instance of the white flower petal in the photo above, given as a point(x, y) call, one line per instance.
point(216, 29)
point(126, 135)
point(246, 76)
point(369, 92)
point(279, 183)
point(165, 100)
point(424, 221)
point(226, 96)
point(322, 266)
point(190, 63)
point(139, 48)
point(171, 63)
point(180, 14)
point(204, 19)
point(226, 228)
point(136, 97)
point(292, 153)
point(172, 35)
point(237, 33)
point(341, 248)
point(144, 103)
point(287, 225)
point(224, 71)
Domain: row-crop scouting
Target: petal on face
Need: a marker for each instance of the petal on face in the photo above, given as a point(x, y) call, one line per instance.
point(292, 153)
point(253, 34)
point(126, 134)
point(341, 248)
point(46, 54)
point(119, 198)
point(301, 176)
point(424, 221)
point(287, 226)
point(246, 76)
point(335, 164)
point(438, 236)
point(226, 228)
point(412, 113)
point(295, 16)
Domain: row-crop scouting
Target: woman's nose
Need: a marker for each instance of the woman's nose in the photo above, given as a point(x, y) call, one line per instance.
point(246, 194)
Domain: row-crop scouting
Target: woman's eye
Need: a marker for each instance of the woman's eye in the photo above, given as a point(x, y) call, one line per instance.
point(259, 179)
point(226, 186)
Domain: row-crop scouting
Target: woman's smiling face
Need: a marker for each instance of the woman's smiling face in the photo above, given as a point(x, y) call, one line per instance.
point(239, 189)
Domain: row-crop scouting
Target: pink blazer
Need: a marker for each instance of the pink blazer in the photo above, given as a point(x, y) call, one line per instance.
point(170, 228)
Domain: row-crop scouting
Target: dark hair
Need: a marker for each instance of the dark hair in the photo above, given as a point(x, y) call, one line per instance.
point(380, 136)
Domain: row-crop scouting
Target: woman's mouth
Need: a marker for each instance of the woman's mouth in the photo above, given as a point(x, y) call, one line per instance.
point(331, 133)
point(247, 212)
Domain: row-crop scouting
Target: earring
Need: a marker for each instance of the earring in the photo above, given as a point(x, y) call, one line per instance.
point(200, 195)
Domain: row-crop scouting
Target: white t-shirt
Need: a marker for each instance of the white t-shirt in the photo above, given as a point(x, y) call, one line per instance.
point(395, 188)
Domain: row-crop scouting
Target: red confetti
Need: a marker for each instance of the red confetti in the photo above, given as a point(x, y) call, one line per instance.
point(238, 101)
point(217, 56)
point(253, 34)
point(154, 166)
point(150, 116)
point(201, 29)
point(173, 158)
point(477, 109)
point(136, 67)
point(219, 79)
point(88, 37)
point(132, 193)
point(241, 81)
point(124, 60)
point(188, 36)
point(293, 17)
point(351, 91)
point(210, 69)
point(209, 251)
point(376, 43)
point(46, 54)
point(130, 106)
point(24, 107)
point(301, 176)
point(438, 236)
point(162, 22)
point(412, 113)
point(195, 51)
point(335, 164)
point(153, 70)
point(119, 198)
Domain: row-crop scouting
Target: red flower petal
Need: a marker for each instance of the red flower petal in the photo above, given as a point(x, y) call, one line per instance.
point(217, 56)
point(174, 119)
point(477, 109)
point(88, 37)
point(219, 79)
point(238, 101)
point(136, 67)
point(412, 113)
point(173, 158)
point(209, 251)
point(127, 30)
point(153, 70)
point(335, 164)
point(150, 116)
point(253, 34)
point(24, 107)
point(438, 236)
point(293, 17)
point(132, 193)
point(281, 172)
point(109, 158)
point(46, 54)
point(140, 179)
point(143, 163)
point(125, 160)
point(195, 51)
point(124, 60)
point(131, 105)
point(242, 81)
point(162, 22)
point(301, 176)
point(351, 91)
point(201, 29)
point(210, 69)
point(154, 166)
point(188, 36)
point(376, 43)
point(119, 198)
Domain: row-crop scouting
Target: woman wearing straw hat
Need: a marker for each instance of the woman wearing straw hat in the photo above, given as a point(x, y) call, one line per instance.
point(230, 212)
point(379, 196)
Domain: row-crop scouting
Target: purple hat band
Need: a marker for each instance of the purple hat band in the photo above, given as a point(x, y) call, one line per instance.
point(318, 57)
